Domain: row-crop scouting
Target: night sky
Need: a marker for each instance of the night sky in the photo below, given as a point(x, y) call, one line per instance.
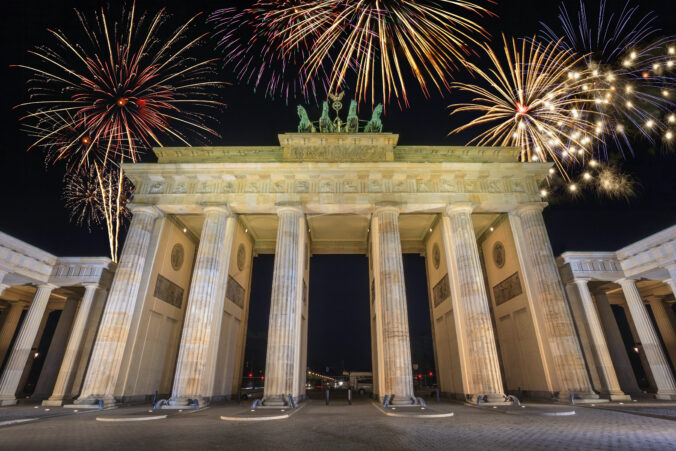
point(33, 211)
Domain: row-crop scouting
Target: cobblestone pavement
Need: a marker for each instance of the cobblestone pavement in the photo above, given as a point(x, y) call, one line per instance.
point(339, 426)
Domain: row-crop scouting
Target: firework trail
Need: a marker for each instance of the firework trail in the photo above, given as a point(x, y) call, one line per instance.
point(96, 195)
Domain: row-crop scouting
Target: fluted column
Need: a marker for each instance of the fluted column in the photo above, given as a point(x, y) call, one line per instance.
point(9, 328)
point(397, 369)
point(480, 355)
point(284, 344)
point(56, 351)
point(609, 381)
point(652, 349)
point(623, 370)
point(196, 364)
point(671, 281)
point(64, 380)
point(558, 323)
point(9, 383)
point(663, 317)
point(106, 359)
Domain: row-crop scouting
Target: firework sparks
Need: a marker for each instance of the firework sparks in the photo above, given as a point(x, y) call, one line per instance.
point(118, 89)
point(96, 196)
point(254, 45)
point(375, 40)
point(531, 102)
point(630, 71)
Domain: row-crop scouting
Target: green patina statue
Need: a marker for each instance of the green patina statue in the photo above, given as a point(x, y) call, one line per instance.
point(326, 125)
point(375, 125)
point(305, 126)
point(352, 124)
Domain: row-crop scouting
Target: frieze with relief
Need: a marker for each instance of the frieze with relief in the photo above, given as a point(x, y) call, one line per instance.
point(419, 185)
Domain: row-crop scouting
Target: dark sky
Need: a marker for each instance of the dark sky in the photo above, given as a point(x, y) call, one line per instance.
point(32, 209)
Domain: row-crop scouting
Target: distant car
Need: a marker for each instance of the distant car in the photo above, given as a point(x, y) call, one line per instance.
point(364, 386)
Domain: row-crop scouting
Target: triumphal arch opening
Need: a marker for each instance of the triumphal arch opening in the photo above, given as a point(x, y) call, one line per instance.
point(176, 316)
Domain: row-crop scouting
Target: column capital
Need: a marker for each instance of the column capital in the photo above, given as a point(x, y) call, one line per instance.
point(147, 209)
point(217, 208)
point(289, 207)
point(459, 207)
point(91, 286)
point(626, 281)
point(49, 286)
point(387, 206)
point(581, 280)
point(526, 207)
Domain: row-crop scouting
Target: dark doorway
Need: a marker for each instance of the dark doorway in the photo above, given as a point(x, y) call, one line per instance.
point(339, 333)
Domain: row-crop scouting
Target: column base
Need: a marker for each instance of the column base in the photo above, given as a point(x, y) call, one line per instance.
point(402, 401)
point(275, 401)
point(9, 402)
point(618, 397)
point(53, 402)
point(666, 396)
point(581, 398)
point(93, 401)
point(185, 403)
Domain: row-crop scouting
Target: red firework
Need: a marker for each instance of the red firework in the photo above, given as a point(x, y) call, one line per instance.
point(119, 89)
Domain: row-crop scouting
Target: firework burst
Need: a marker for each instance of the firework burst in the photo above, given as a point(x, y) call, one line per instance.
point(531, 101)
point(361, 42)
point(630, 69)
point(119, 89)
point(254, 43)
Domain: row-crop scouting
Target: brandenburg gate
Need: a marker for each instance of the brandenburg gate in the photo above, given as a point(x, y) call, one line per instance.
point(176, 316)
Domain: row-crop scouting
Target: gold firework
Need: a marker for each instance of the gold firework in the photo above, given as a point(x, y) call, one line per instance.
point(533, 101)
point(377, 39)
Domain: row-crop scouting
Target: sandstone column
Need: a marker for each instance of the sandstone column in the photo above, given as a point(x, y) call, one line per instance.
point(671, 281)
point(9, 328)
point(397, 369)
point(663, 317)
point(284, 344)
point(616, 347)
point(196, 364)
point(9, 383)
point(64, 380)
point(558, 324)
point(3, 286)
point(609, 381)
point(659, 367)
point(106, 359)
point(479, 354)
point(57, 349)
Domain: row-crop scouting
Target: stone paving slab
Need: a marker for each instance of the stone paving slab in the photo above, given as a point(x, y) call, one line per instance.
point(340, 426)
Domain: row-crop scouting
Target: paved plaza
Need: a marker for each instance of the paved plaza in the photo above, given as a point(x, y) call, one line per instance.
point(340, 426)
